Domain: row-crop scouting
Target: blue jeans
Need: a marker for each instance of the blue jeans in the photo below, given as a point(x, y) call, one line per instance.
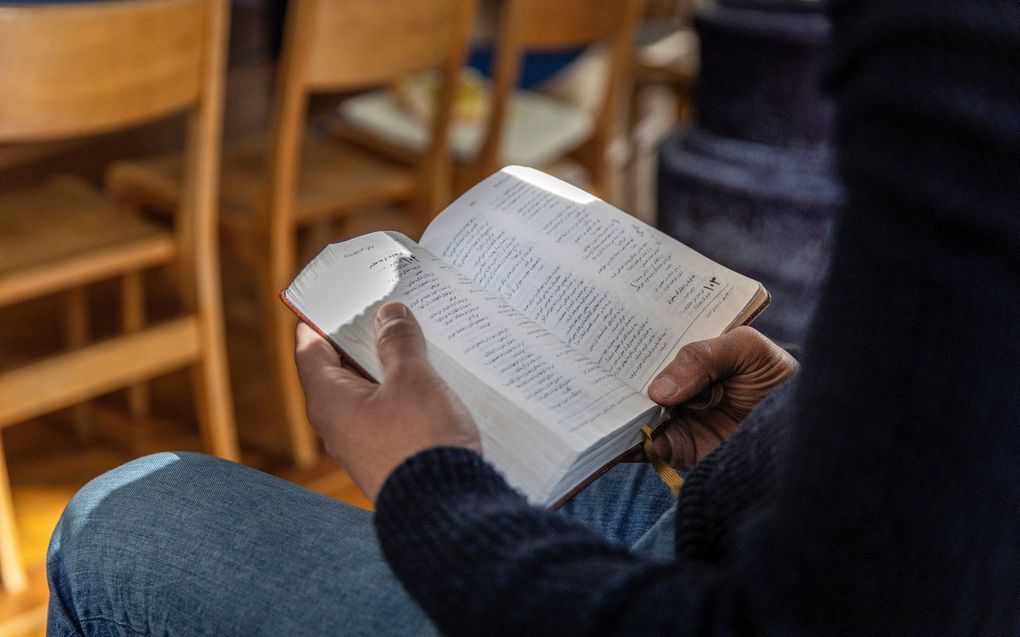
point(186, 544)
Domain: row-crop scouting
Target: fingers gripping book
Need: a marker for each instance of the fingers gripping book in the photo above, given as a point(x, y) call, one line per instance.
point(547, 310)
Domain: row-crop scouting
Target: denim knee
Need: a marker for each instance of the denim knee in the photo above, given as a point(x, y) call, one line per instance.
point(106, 516)
point(84, 516)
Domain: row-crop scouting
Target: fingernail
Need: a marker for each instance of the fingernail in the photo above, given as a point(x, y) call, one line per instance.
point(663, 386)
point(391, 311)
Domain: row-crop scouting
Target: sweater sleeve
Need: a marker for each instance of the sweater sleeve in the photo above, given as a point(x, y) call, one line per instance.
point(896, 506)
point(480, 561)
point(541, 556)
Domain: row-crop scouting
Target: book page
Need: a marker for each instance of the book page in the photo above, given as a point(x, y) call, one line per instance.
point(529, 392)
point(599, 279)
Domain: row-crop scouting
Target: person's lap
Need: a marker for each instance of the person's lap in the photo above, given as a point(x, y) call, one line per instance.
point(188, 544)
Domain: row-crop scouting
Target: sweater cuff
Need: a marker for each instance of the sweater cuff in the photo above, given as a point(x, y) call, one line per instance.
point(439, 473)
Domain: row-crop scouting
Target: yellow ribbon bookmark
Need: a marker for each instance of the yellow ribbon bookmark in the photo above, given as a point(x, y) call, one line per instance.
point(666, 473)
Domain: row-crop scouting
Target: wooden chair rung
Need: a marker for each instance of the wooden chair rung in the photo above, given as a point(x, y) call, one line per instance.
point(66, 379)
point(90, 268)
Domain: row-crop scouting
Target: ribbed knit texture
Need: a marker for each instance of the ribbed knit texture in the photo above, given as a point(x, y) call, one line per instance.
point(887, 498)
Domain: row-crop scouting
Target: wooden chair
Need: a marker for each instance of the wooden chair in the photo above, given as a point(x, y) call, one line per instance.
point(270, 189)
point(78, 69)
point(524, 127)
point(666, 60)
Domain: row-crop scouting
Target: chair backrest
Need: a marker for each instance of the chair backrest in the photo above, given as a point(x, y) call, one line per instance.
point(71, 70)
point(558, 24)
point(340, 45)
point(563, 23)
point(363, 43)
point(75, 69)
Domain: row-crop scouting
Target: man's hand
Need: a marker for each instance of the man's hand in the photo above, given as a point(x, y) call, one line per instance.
point(371, 428)
point(746, 364)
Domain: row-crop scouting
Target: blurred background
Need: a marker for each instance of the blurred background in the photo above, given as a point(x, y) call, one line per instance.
point(166, 166)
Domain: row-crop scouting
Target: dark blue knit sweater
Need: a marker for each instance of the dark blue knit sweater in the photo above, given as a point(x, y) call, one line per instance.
point(887, 499)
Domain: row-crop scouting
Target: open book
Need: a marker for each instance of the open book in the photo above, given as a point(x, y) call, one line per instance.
point(546, 310)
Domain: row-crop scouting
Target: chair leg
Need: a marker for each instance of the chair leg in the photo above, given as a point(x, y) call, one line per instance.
point(76, 334)
point(213, 400)
point(464, 177)
point(133, 318)
point(437, 182)
point(320, 233)
point(592, 155)
point(12, 573)
point(279, 329)
point(210, 378)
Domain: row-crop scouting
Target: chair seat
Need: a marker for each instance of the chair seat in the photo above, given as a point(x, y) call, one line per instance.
point(666, 48)
point(539, 128)
point(64, 233)
point(335, 176)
